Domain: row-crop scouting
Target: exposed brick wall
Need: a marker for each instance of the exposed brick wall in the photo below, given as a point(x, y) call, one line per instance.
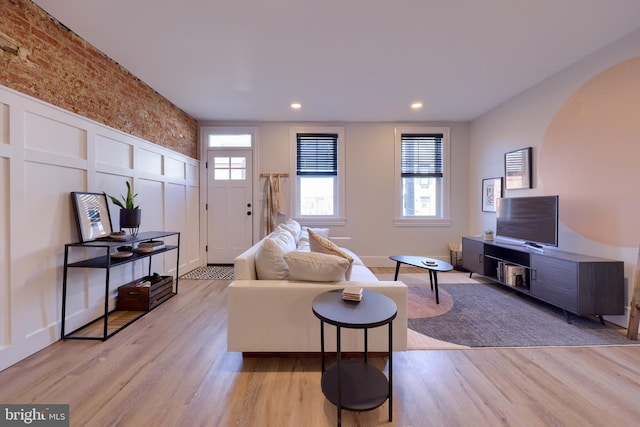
point(42, 58)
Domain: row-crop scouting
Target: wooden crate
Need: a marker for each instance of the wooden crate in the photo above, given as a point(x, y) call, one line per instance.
point(135, 297)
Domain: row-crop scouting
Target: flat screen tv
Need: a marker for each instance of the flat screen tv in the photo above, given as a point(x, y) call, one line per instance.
point(533, 220)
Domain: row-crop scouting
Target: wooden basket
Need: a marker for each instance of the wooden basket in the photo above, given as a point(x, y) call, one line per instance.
point(136, 297)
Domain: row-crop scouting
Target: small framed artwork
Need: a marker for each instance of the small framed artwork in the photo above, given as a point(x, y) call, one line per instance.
point(92, 215)
point(517, 169)
point(491, 190)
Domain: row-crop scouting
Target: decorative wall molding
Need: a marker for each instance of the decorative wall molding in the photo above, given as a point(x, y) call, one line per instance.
point(45, 154)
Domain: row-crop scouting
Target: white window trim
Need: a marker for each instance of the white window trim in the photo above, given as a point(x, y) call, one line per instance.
point(445, 219)
point(340, 207)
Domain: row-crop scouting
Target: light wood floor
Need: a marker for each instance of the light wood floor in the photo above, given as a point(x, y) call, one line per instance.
point(171, 368)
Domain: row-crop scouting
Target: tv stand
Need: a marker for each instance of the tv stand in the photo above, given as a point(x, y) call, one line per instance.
point(580, 284)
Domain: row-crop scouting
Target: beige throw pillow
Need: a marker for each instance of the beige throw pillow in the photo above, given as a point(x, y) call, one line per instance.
point(318, 243)
point(316, 266)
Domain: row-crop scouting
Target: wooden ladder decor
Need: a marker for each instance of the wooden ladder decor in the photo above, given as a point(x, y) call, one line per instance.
point(634, 315)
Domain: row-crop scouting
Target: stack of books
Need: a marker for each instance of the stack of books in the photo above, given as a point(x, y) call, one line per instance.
point(150, 246)
point(352, 294)
point(512, 275)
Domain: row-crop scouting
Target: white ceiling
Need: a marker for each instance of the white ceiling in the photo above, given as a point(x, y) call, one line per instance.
point(344, 60)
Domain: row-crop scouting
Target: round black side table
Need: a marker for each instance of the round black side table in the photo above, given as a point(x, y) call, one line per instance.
point(355, 384)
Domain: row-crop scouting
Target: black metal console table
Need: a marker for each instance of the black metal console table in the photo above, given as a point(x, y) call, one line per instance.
point(353, 384)
point(107, 262)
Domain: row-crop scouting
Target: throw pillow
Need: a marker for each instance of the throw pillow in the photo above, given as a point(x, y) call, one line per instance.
point(270, 264)
point(324, 232)
point(293, 227)
point(318, 243)
point(316, 266)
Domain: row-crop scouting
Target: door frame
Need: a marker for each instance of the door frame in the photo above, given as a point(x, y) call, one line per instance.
point(204, 185)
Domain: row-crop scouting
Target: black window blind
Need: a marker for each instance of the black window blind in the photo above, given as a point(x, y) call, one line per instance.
point(421, 155)
point(317, 154)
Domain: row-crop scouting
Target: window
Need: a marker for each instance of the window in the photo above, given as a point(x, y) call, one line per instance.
point(318, 154)
point(230, 140)
point(229, 168)
point(422, 189)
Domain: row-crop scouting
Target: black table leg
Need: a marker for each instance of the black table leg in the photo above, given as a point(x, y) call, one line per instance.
point(322, 343)
point(338, 363)
point(431, 278)
point(397, 270)
point(390, 371)
point(435, 283)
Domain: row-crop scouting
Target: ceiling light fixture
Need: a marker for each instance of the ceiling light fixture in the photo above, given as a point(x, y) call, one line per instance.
point(296, 105)
point(416, 105)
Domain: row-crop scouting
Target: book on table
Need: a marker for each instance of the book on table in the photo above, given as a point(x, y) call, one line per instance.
point(150, 245)
point(352, 294)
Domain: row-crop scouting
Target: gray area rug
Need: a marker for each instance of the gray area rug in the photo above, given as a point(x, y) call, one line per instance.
point(487, 315)
point(211, 272)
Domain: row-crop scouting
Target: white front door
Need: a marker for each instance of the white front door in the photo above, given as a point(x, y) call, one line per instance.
point(229, 204)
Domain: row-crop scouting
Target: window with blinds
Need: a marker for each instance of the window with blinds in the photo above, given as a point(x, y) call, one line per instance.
point(319, 163)
point(421, 168)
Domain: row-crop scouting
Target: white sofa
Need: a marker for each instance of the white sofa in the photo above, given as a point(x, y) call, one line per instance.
point(275, 316)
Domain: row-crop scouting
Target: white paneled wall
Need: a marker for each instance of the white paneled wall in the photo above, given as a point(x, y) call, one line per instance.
point(45, 154)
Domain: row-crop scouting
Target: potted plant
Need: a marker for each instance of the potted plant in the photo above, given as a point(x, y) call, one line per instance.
point(488, 234)
point(130, 213)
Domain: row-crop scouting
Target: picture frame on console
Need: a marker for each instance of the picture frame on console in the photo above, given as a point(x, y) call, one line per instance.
point(517, 169)
point(92, 215)
point(491, 190)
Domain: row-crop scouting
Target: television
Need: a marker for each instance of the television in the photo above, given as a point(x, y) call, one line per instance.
point(532, 220)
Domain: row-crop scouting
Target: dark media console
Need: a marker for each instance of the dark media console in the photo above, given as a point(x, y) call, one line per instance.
point(578, 284)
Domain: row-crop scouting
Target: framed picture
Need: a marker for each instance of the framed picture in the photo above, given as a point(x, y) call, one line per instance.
point(92, 215)
point(491, 190)
point(517, 169)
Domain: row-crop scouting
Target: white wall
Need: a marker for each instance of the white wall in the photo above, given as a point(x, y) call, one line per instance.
point(46, 153)
point(524, 121)
point(370, 187)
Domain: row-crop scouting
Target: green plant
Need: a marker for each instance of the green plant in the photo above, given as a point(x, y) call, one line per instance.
point(488, 231)
point(126, 202)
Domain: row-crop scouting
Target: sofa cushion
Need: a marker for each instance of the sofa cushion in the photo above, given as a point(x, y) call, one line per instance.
point(316, 266)
point(293, 227)
point(318, 243)
point(270, 264)
point(303, 246)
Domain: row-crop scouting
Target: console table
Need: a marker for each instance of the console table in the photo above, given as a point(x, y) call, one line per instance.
point(580, 284)
point(107, 262)
point(355, 385)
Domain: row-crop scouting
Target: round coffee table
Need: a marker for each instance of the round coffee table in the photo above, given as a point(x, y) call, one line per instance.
point(355, 385)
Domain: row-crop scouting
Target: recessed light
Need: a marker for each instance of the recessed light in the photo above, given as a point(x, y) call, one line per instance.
point(416, 105)
point(296, 105)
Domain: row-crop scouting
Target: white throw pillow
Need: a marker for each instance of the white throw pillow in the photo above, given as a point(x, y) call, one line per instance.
point(293, 227)
point(316, 266)
point(270, 264)
point(303, 246)
point(284, 239)
point(318, 243)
